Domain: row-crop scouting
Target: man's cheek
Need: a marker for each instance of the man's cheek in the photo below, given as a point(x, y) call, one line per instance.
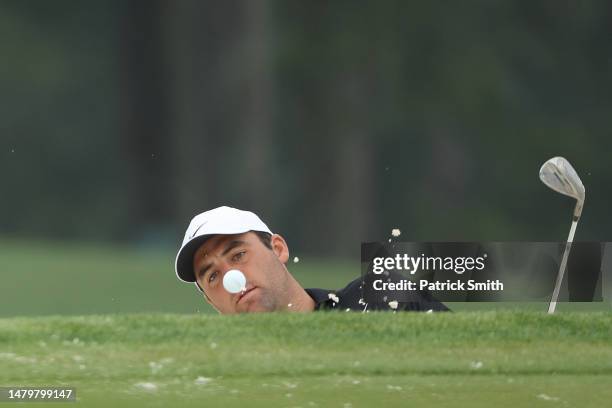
point(223, 302)
point(253, 303)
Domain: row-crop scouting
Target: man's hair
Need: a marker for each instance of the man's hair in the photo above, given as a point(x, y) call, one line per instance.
point(265, 238)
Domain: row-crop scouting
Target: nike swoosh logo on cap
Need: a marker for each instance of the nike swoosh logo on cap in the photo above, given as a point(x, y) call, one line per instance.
point(197, 229)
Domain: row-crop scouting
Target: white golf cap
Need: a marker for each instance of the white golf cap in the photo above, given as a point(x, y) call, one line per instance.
point(221, 220)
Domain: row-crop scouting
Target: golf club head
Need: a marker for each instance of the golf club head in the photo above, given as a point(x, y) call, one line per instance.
point(558, 174)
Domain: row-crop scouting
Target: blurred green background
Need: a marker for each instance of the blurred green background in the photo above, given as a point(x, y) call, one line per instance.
point(48, 278)
point(335, 121)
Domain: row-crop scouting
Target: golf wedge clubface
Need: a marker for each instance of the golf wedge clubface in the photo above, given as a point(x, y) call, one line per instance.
point(558, 174)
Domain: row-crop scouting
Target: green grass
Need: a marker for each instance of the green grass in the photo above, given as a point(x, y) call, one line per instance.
point(48, 278)
point(62, 278)
point(476, 359)
point(105, 344)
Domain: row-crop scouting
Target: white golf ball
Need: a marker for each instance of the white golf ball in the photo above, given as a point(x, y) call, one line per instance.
point(234, 281)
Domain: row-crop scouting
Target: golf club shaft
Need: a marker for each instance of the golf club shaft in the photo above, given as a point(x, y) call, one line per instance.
point(568, 246)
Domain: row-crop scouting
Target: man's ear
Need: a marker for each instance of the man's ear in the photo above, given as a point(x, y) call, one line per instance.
point(280, 248)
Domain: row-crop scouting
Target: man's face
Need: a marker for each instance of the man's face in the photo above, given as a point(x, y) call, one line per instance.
point(264, 269)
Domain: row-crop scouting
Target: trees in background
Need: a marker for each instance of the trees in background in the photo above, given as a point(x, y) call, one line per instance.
point(336, 121)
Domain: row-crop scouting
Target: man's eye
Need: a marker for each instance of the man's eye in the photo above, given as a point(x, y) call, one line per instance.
point(212, 277)
point(238, 256)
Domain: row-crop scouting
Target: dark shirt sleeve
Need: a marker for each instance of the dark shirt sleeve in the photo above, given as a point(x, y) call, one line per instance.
point(423, 300)
point(424, 303)
point(351, 298)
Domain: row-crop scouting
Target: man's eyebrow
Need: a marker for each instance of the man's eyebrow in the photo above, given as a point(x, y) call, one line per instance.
point(232, 245)
point(202, 270)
